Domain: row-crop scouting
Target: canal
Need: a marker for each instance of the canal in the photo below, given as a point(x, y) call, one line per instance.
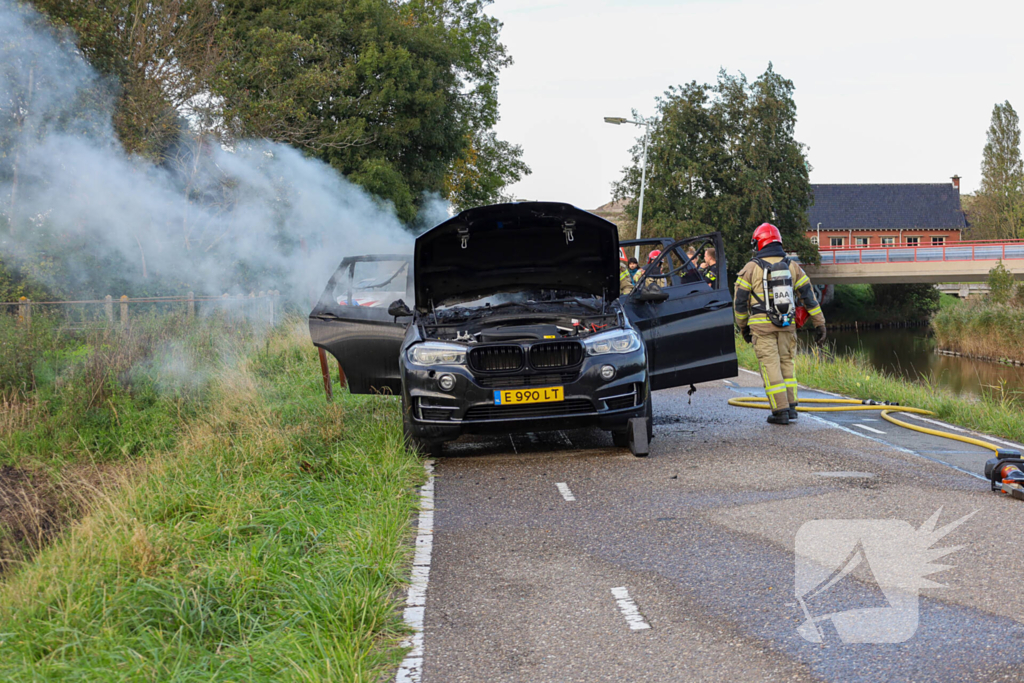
point(910, 353)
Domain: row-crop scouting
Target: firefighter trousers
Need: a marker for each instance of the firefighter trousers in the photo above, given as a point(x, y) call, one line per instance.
point(774, 348)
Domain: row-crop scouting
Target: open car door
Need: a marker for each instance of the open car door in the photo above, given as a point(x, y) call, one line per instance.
point(351, 320)
point(686, 322)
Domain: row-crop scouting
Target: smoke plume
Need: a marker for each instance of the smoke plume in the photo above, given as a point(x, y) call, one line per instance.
point(254, 215)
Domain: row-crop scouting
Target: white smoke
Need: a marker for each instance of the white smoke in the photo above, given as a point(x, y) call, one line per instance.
point(256, 207)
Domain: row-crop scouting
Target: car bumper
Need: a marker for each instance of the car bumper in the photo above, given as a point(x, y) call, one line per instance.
point(470, 408)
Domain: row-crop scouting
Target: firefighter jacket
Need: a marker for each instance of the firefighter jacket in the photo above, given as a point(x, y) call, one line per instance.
point(709, 273)
point(748, 300)
point(625, 281)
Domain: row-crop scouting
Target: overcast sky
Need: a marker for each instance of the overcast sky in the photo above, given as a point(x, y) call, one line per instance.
point(886, 92)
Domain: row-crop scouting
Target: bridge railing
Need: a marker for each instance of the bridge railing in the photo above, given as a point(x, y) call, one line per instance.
point(957, 251)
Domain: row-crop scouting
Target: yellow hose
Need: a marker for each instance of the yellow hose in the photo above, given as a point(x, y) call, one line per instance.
point(854, 404)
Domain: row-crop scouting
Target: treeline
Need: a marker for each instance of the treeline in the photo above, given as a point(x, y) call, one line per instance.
point(996, 211)
point(401, 98)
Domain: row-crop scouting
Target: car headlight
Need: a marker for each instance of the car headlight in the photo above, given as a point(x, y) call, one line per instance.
point(616, 341)
point(437, 353)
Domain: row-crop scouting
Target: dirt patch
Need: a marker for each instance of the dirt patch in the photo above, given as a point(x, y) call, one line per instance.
point(35, 507)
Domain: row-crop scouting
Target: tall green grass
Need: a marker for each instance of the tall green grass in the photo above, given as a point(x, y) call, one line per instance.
point(982, 328)
point(855, 378)
point(268, 545)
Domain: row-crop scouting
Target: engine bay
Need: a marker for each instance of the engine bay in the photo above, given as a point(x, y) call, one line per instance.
point(521, 321)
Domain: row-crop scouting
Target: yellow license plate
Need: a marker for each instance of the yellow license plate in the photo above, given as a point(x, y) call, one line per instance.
point(512, 397)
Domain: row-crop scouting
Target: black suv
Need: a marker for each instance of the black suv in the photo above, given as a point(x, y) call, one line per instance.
point(518, 325)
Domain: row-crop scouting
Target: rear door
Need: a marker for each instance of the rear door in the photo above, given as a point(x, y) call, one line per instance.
point(352, 323)
point(689, 335)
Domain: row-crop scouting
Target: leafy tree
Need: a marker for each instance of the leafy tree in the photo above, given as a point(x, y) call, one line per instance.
point(1000, 284)
point(390, 94)
point(724, 157)
point(907, 302)
point(486, 167)
point(160, 54)
point(998, 209)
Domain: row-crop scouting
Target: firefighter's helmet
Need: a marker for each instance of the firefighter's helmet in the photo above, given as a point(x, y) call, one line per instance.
point(765, 234)
point(655, 253)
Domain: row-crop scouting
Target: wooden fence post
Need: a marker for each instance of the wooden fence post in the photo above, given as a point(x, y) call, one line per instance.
point(108, 307)
point(124, 310)
point(25, 311)
point(272, 294)
point(191, 305)
point(326, 374)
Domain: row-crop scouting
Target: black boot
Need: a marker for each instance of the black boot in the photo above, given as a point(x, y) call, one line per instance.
point(779, 417)
point(792, 413)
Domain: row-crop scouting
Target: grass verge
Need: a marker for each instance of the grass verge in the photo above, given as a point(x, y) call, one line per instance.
point(269, 545)
point(851, 377)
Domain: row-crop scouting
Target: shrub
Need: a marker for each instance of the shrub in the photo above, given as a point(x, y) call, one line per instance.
point(1000, 284)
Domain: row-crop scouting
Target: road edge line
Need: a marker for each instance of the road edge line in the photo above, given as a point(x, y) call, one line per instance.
point(411, 668)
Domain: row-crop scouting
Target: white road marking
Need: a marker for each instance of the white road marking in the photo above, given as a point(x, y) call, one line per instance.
point(870, 429)
point(629, 609)
point(563, 488)
point(846, 475)
point(411, 668)
point(563, 435)
point(954, 428)
point(729, 382)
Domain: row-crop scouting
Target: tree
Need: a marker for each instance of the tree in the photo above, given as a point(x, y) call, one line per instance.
point(998, 209)
point(390, 94)
point(480, 175)
point(160, 55)
point(724, 157)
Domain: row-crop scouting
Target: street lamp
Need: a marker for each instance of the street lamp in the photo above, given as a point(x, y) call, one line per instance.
point(646, 123)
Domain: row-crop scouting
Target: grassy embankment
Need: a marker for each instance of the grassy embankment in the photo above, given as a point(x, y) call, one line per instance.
point(982, 329)
point(242, 528)
point(852, 378)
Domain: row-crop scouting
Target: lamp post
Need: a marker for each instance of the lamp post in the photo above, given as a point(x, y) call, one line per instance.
point(646, 123)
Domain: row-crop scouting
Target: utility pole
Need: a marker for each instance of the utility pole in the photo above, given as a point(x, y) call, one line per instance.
point(646, 123)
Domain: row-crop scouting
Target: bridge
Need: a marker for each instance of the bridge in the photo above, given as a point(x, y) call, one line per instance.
point(956, 262)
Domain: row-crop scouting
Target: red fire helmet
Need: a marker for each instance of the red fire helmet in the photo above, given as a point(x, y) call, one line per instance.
point(653, 255)
point(765, 234)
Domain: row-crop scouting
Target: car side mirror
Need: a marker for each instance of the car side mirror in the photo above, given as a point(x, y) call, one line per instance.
point(399, 309)
point(652, 297)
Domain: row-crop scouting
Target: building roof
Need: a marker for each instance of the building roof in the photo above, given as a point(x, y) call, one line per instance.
point(886, 207)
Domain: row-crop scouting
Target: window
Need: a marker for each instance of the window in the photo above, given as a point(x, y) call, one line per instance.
point(861, 241)
point(938, 241)
point(913, 241)
point(814, 240)
point(888, 241)
point(836, 241)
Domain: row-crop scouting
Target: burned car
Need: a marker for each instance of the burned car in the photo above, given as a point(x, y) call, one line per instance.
point(517, 325)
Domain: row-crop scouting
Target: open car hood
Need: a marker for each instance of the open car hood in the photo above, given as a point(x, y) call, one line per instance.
point(515, 247)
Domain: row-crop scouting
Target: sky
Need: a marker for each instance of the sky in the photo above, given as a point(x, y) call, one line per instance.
point(886, 92)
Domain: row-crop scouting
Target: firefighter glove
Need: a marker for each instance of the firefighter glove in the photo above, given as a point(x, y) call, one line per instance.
point(747, 337)
point(820, 339)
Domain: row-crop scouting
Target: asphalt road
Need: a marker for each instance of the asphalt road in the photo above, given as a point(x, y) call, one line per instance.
point(681, 566)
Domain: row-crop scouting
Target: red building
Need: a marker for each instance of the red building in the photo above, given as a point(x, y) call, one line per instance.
point(920, 214)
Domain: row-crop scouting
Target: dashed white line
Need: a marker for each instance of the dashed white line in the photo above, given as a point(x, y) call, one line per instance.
point(629, 609)
point(411, 668)
point(563, 488)
point(870, 429)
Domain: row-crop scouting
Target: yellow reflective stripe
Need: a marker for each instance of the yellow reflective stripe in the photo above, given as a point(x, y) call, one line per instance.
point(759, 319)
point(622, 275)
point(790, 382)
point(814, 311)
point(775, 389)
point(742, 284)
point(767, 383)
point(740, 316)
point(802, 281)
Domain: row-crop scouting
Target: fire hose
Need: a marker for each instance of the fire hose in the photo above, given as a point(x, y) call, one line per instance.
point(1005, 471)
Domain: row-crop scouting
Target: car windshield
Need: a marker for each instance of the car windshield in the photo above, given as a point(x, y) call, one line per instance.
point(372, 283)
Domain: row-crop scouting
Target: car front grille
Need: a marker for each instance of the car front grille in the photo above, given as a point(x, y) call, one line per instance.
point(434, 413)
point(496, 358)
point(512, 381)
point(571, 406)
point(556, 355)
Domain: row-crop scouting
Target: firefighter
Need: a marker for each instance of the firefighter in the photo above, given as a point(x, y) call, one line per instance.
point(625, 279)
point(651, 283)
point(709, 269)
point(757, 315)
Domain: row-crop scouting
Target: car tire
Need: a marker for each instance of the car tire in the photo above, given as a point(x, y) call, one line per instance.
point(421, 447)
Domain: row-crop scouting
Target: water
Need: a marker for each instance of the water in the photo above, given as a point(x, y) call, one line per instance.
point(910, 353)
